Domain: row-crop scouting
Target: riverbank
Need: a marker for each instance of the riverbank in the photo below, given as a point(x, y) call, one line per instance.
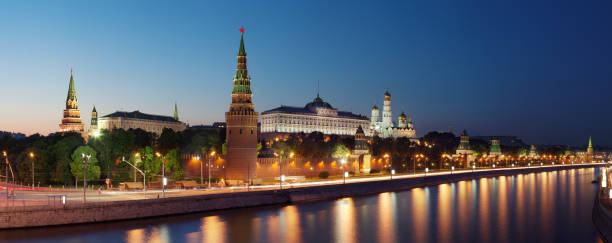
point(38, 216)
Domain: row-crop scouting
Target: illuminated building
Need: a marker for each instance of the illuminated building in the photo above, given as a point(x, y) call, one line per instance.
point(72, 116)
point(241, 122)
point(316, 116)
point(464, 151)
point(386, 128)
point(495, 149)
point(135, 120)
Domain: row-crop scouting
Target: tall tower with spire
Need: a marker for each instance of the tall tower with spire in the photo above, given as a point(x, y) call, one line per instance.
point(94, 119)
point(241, 124)
point(72, 116)
point(176, 117)
point(387, 120)
point(589, 152)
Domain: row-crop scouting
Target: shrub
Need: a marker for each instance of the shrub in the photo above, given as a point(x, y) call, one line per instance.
point(374, 171)
point(323, 174)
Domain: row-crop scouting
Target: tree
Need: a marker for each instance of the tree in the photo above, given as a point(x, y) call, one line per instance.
point(61, 151)
point(149, 162)
point(168, 140)
point(76, 165)
point(173, 165)
point(340, 151)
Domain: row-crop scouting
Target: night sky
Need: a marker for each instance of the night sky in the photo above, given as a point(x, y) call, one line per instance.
point(539, 70)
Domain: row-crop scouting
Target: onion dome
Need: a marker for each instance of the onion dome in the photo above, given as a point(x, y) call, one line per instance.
point(387, 95)
point(402, 116)
point(374, 108)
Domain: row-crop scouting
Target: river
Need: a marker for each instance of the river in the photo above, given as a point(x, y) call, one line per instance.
point(538, 207)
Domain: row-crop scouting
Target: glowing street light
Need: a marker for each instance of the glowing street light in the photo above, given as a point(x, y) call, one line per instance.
point(344, 173)
point(32, 157)
point(164, 180)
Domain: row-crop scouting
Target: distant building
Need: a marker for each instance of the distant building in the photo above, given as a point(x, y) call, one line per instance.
point(507, 141)
point(241, 121)
point(532, 151)
point(464, 150)
point(72, 116)
point(361, 153)
point(386, 128)
point(135, 120)
point(495, 149)
point(316, 116)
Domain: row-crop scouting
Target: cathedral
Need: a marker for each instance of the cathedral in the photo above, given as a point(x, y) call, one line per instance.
point(386, 128)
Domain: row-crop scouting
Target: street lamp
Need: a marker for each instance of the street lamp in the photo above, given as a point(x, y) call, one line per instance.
point(164, 180)
point(426, 170)
point(7, 185)
point(210, 166)
point(85, 161)
point(197, 157)
point(343, 161)
point(31, 154)
point(144, 177)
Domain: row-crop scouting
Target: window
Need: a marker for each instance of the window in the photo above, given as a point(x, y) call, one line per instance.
point(251, 131)
point(240, 130)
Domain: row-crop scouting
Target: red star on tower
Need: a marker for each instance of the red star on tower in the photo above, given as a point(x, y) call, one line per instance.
point(241, 30)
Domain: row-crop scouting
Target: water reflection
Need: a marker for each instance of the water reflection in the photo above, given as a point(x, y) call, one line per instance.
point(345, 223)
point(536, 207)
point(387, 223)
point(420, 207)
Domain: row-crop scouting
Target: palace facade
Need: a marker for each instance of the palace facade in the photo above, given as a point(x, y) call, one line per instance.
point(72, 116)
point(135, 120)
point(316, 116)
point(385, 128)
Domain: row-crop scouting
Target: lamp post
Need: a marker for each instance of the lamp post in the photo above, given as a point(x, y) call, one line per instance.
point(31, 154)
point(210, 166)
point(144, 177)
point(163, 157)
point(197, 157)
point(7, 185)
point(343, 161)
point(85, 161)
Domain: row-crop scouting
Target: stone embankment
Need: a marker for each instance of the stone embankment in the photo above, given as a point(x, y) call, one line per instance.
point(37, 216)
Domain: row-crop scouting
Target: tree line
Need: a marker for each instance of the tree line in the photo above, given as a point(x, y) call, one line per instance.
point(57, 159)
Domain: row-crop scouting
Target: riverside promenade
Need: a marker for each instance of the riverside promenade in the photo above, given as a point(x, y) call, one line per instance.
point(195, 201)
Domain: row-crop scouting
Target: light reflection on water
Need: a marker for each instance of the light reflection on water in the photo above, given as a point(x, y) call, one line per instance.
point(536, 207)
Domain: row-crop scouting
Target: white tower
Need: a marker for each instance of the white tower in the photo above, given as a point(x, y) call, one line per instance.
point(375, 117)
point(401, 121)
point(387, 120)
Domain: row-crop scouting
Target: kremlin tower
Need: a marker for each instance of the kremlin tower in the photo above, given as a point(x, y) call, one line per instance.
point(72, 116)
point(241, 130)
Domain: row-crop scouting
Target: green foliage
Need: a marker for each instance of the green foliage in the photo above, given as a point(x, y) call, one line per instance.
point(323, 174)
point(168, 140)
point(61, 152)
point(340, 151)
point(149, 162)
point(173, 165)
point(76, 165)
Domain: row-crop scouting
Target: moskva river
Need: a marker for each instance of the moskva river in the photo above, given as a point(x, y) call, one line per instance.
point(537, 207)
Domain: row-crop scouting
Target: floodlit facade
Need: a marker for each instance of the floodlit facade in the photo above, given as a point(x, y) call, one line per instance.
point(385, 127)
point(316, 116)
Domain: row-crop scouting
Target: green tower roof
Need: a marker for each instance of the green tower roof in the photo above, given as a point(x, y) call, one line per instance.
point(175, 112)
point(94, 109)
point(241, 51)
point(71, 89)
point(590, 144)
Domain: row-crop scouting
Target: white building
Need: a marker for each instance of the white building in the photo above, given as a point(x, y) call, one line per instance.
point(386, 128)
point(135, 120)
point(316, 116)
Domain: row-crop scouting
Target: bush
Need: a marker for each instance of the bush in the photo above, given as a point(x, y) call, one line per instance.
point(374, 171)
point(323, 174)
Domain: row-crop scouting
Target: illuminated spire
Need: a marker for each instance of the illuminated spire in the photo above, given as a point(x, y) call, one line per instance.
point(590, 144)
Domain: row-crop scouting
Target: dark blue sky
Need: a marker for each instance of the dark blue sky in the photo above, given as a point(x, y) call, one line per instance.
point(540, 70)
